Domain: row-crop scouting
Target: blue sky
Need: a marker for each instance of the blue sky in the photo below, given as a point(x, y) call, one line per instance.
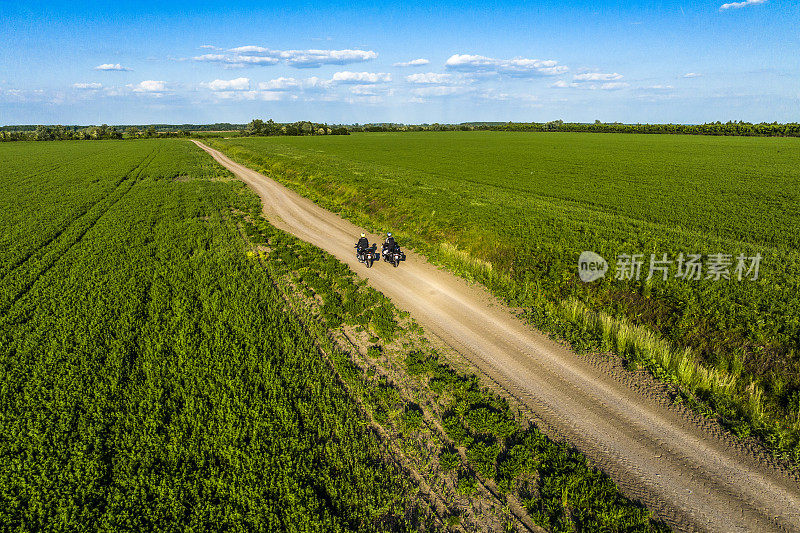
point(200, 62)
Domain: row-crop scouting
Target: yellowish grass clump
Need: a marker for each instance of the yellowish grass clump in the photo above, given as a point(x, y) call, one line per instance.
point(641, 344)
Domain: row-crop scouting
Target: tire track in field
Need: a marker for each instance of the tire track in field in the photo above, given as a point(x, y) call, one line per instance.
point(24, 258)
point(21, 279)
point(16, 262)
point(28, 177)
point(6, 272)
point(692, 477)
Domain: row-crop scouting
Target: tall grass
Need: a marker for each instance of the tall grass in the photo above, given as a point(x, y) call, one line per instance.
point(638, 345)
point(728, 392)
point(472, 268)
point(642, 346)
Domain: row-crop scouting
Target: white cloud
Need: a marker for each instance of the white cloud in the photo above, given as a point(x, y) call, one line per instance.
point(237, 60)
point(597, 76)
point(361, 77)
point(413, 63)
point(737, 5)
point(212, 57)
point(518, 67)
point(365, 90)
point(93, 86)
point(238, 84)
point(23, 95)
point(439, 90)
point(287, 88)
point(273, 96)
point(526, 100)
point(471, 63)
point(150, 86)
point(249, 50)
point(236, 95)
point(495, 95)
point(585, 81)
point(111, 66)
point(315, 83)
point(658, 87)
point(371, 90)
point(529, 67)
point(239, 96)
point(317, 58)
point(209, 47)
point(252, 95)
point(429, 77)
point(692, 75)
point(116, 91)
point(553, 71)
point(613, 85)
point(279, 84)
point(258, 55)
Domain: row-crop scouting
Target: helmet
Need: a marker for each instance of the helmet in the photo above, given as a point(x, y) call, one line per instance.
point(363, 235)
point(389, 234)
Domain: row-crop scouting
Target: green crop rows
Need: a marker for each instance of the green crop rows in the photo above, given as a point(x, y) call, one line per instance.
point(151, 377)
point(515, 210)
point(155, 374)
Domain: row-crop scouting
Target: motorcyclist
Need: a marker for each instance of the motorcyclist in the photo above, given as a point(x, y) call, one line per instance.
point(361, 247)
point(389, 245)
point(363, 243)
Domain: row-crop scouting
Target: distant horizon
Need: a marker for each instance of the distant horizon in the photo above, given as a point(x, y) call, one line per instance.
point(100, 62)
point(356, 124)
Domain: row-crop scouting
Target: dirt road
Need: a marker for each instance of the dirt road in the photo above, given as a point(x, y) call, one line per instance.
point(691, 476)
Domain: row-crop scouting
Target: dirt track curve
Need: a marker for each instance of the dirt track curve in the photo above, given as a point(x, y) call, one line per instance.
point(692, 477)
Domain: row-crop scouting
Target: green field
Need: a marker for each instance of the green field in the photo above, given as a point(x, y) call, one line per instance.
point(159, 370)
point(152, 377)
point(515, 210)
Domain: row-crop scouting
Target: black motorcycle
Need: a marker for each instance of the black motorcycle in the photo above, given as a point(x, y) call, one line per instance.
point(394, 255)
point(367, 255)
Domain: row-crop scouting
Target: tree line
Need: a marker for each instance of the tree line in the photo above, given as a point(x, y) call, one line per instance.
point(79, 133)
point(732, 128)
point(260, 128)
point(256, 127)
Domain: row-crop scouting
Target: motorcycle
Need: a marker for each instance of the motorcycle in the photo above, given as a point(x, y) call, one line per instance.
point(367, 255)
point(393, 256)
